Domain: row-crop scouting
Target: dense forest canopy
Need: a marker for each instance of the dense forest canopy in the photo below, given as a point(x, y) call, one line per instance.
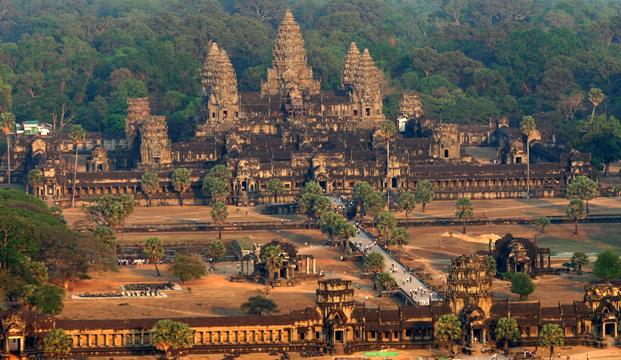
point(76, 61)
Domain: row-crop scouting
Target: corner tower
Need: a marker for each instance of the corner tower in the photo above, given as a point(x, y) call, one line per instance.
point(290, 70)
point(221, 98)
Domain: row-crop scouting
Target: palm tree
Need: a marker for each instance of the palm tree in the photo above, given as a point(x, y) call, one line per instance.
point(154, 249)
point(77, 134)
point(57, 343)
point(528, 126)
point(400, 237)
point(388, 129)
point(35, 179)
point(596, 97)
point(7, 123)
point(448, 329)
point(464, 210)
point(407, 203)
point(150, 184)
point(218, 215)
point(271, 257)
point(576, 211)
point(182, 180)
point(275, 187)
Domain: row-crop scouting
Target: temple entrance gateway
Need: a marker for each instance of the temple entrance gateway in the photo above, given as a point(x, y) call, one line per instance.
point(610, 329)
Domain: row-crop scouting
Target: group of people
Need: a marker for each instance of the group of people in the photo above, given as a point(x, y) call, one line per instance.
point(127, 261)
point(101, 295)
point(142, 293)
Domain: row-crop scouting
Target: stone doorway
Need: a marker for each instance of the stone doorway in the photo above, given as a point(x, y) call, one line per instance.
point(338, 336)
point(610, 329)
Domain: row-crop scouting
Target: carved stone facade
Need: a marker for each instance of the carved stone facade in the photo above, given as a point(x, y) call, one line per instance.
point(98, 161)
point(520, 255)
point(154, 142)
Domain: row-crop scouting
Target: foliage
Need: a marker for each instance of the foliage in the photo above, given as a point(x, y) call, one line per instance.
point(386, 281)
point(374, 262)
point(149, 184)
point(154, 249)
point(275, 187)
point(218, 214)
point(407, 203)
point(424, 193)
point(542, 223)
point(314, 205)
point(576, 211)
point(181, 180)
point(37, 247)
point(35, 178)
point(522, 285)
point(551, 336)
point(577, 261)
point(47, 299)
point(507, 330)
point(582, 188)
point(271, 256)
point(259, 305)
point(448, 329)
point(607, 266)
point(385, 223)
point(172, 337)
point(216, 250)
point(215, 183)
point(57, 343)
point(464, 210)
point(110, 210)
point(186, 268)
point(528, 125)
point(399, 237)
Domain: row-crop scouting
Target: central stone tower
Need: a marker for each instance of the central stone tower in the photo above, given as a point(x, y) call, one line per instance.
point(290, 71)
point(221, 98)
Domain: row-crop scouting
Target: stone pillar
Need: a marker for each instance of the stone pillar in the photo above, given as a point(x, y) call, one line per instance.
point(548, 260)
point(314, 267)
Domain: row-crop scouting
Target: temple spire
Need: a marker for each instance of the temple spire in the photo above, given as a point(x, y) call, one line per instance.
point(289, 65)
point(350, 65)
point(221, 98)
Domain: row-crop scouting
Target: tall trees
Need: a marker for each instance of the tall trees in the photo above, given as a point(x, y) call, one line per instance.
point(424, 192)
point(464, 210)
point(337, 228)
point(57, 343)
point(216, 183)
point(219, 214)
point(149, 184)
point(552, 336)
point(407, 203)
point(385, 223)
point(77, 134)
point(506, 331)
point(578, 260)
point(313, 202)
point(528, 127)
point(448, 329)
point(576, 211)
point(7, 123)
point(154, 249)
point(582, 188)
point(374, 262)
point(522, 285)
point(596, 97)
point(216, 250)
point(181, 180)
point(271, 256)
point(172, 337)
point(542, 223)
point(275, 187)
point(111, 210)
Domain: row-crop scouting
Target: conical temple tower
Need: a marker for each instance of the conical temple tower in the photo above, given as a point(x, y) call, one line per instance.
point(350, 66)
point(290, 70)
point(221, 99)
point(367, 88)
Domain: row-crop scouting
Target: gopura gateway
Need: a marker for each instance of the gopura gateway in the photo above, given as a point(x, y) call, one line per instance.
point(338, 324)
point(294, 131)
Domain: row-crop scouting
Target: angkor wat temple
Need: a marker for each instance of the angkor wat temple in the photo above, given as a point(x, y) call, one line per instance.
point(294, 131)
